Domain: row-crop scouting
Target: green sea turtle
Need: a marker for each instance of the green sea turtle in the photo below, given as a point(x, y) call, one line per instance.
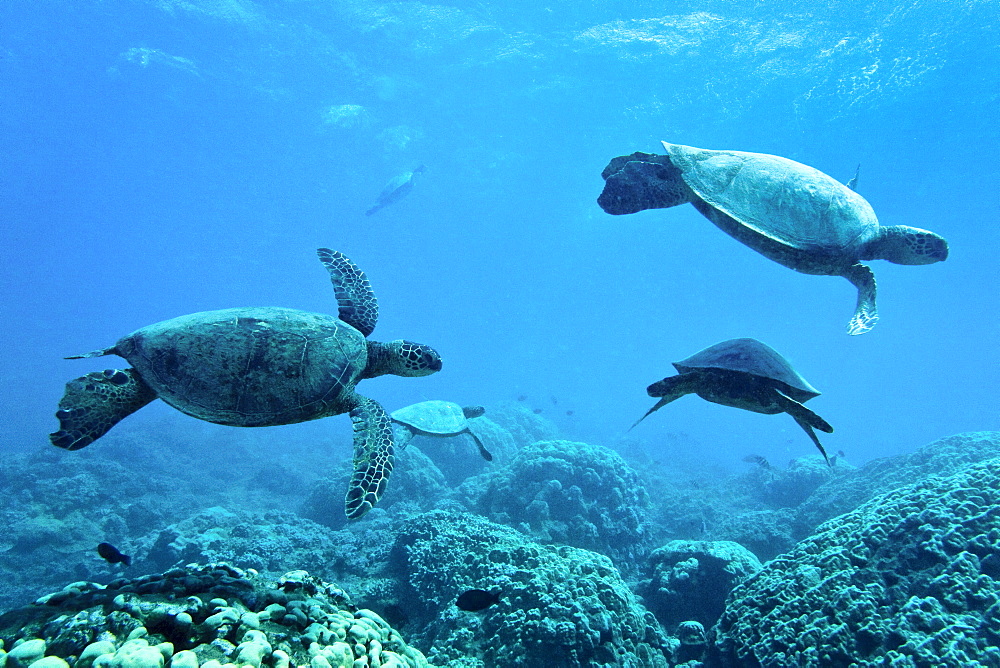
point(437, 418)
point(791, 213)
point(398, 188)
point(254, 367)
point(747, 374)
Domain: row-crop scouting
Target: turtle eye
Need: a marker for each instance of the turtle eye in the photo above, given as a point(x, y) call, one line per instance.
point(116, 376)
point(421, 358)
point(431, 360)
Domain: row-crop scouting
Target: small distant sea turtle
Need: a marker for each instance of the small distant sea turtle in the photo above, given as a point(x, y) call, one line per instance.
point(437, 418)
point(788, 212)
point(747, 374)
point(398, 188)
point(255, 367)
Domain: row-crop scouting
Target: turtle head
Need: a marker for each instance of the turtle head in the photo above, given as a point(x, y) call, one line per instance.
point(901, 244)
point(473, 411)
point(401, 358)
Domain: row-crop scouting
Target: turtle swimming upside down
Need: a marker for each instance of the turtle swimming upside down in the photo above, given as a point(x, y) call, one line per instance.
point(747, 374)
point(786, 211)
point(398, 188)
point(256, 367)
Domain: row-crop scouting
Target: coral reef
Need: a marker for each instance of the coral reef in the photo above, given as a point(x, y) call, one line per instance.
point(524, 426)
point(558, 606)
point(59, 505)
point(416, 485)
point(847, 492)
point(787, 488)
point(270, 543)
point(275, 542)
point(688, 581)
point(458, 458)
point(574, 494)
point(911, 578)
point(210, 615)
point(766, 533)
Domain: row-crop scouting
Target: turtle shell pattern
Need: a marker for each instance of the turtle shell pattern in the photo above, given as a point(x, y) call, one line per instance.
point(250, 367)
point(433, 417)
point(789, 202)
point(752, 357)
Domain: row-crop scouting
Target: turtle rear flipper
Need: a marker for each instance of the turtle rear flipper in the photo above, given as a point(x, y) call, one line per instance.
point(358, 306)
point(96, 402)
point(806, 419)
point(373, 457)
point(482, 448)
point(865, 313)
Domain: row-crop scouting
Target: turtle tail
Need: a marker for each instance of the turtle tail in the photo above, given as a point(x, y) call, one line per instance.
point(113, 350)
point(95, 403)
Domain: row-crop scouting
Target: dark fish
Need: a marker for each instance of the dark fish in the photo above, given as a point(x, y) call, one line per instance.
point(758, 460)
point(113, 555)
point(840, 453)
point(555, 401)
point(475, 600)
point(522, 397)
point(537, 411)
point(569, 412)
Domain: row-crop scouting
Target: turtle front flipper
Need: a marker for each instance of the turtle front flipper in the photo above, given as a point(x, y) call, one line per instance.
point(355, 297)
point(373, 456)
point(865, 313)
point(806, 419)
point(95, 403)
point(670, 389)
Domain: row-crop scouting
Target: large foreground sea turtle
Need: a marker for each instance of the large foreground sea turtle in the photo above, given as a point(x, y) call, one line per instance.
point(437, 418)
point(747, 374)
point(254, 367)
point(789, 212)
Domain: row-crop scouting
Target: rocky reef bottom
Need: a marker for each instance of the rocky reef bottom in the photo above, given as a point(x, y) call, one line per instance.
point(211, 615)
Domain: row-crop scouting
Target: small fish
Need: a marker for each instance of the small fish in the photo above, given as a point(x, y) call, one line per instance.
point(475, 600)
point(555, 402)
point(758, 460)
point(840, 453)
point(537, 411)
point(569, 412)
point(113, 555)
point(522, 397)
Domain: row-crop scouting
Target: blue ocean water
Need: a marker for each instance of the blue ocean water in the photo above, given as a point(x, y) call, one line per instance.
point(163, 157)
